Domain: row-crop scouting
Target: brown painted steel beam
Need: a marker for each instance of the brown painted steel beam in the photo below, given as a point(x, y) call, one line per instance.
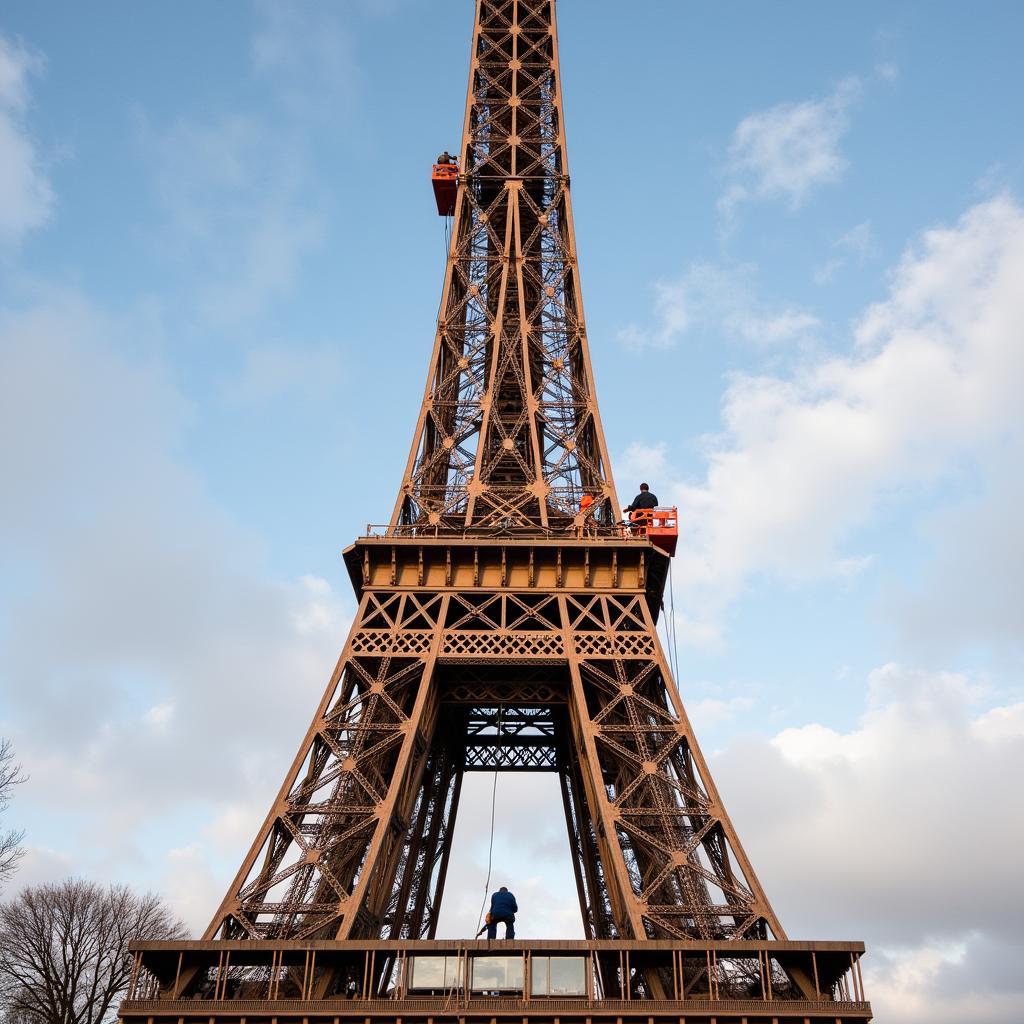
point(500, 628)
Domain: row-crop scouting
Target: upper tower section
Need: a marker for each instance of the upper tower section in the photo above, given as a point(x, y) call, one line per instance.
point(509, 437)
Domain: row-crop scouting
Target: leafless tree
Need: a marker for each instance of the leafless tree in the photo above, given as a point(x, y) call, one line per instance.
point(10, 841)
point(64, 949)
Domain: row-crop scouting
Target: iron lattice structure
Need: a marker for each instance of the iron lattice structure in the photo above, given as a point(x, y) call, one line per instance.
point(509, 433)
point(436, 682)
point(499, 630)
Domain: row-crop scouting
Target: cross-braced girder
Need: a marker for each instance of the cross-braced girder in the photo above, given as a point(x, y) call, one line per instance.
point(503, 625)
point(509, 435)
point(437, 683)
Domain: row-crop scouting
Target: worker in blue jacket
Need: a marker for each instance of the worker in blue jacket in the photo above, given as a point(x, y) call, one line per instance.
point(503, 908)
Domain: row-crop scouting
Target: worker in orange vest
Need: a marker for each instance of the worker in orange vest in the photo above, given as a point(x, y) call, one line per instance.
point(585, 519)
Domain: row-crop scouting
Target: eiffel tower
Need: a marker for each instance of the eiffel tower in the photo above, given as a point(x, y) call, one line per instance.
point(506, 622)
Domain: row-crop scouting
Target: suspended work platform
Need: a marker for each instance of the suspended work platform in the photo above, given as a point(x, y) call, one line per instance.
point(445, 179)
point(573, 981)
point(659, 525)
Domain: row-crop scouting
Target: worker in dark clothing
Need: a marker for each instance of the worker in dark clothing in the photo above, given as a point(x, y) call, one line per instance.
point(446, 158)
point(643, 500)
point(503, 908)
point(639, 510)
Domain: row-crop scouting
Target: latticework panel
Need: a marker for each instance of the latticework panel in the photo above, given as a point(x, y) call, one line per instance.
point(516, 646)
point(682, 871)
point(509, 434)
point(315, 868)
point(358, 840)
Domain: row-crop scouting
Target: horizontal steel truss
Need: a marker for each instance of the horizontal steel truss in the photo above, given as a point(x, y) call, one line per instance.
point(575, 565)
point(509, 434)
point(779, 982)
point(357, 842)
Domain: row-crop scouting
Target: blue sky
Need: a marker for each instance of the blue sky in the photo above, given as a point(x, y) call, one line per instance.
point(801, 236)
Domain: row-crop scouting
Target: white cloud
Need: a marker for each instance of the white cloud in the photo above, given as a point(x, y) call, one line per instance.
point(41, 866)
point(190, 887)
point(26, 198)
point(774, 328)
point(789, 150)
point(712, 298)
point(641, 462)
point(804, 460)
point(999, 724)
point(972, 590)
point(709, 712)
point(159, 716)
point(138, 601)
point(900, 832)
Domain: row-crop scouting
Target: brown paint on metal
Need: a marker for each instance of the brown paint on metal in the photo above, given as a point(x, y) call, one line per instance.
point(485, 591)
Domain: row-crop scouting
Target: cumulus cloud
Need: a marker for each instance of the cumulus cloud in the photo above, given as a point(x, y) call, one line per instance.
point(929, 385)
point(972, 591)
point(788, 151)
point(899, 832)
point(871, 833)
point(708, 712)
point(26, 198)
point(143, 623)
point(708, 297)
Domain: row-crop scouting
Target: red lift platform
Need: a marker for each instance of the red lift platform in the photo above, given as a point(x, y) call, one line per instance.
point(445, 179)
point(659, 525)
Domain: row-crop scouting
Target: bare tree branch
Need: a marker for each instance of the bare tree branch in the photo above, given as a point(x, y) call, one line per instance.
point(10, 841)
point(64, 950)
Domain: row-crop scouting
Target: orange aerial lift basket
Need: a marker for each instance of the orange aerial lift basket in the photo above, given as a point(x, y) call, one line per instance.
point(445, 179)
point(659, 525)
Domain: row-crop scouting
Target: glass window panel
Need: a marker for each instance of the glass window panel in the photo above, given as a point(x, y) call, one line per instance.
point(568, 976)
point(435, 972)
point(539, 975)
point(453, 967)
point(497, 973)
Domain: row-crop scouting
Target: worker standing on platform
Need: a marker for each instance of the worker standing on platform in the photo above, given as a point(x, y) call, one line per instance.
point(643, 500)
point(446, 158)
point(639, 509)
point(503, 908)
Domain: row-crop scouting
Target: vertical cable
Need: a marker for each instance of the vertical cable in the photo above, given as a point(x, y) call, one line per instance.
point(490, 847)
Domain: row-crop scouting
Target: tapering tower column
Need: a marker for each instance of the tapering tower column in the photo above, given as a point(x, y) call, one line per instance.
point(504, 624)
point(488, 561)
point(509, 432)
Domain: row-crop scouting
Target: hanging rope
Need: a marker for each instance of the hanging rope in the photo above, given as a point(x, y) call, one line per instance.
point(490, 845)
point(675, 642)
point(668, 622)
point(447, 243)
point(667, 630)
